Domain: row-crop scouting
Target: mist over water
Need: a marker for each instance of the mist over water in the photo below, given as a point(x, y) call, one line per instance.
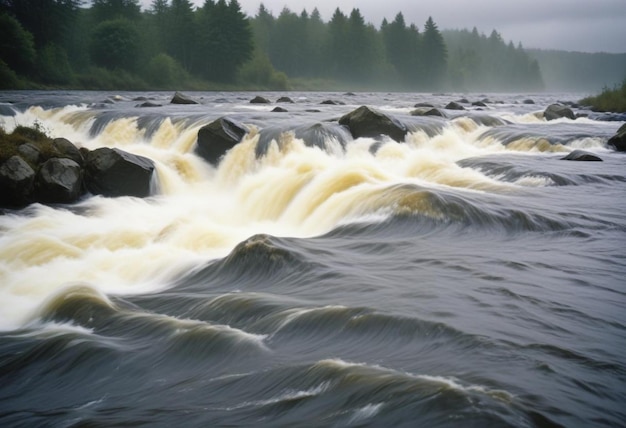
point(464, 277)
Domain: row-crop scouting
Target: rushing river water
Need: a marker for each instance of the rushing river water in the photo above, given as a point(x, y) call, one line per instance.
point(464, 277)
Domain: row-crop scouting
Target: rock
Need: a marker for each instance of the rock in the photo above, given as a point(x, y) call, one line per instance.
point(350, 94)
point(148, 104)
point(528, 101)
point(581, 155)
point(219, 136)
point(113, 172)
point(333, 103)
point(428, 112)
point(618, 141)
point(259, 100)
point(30, 153)
point(313, 110)
point(557, 111)
point(463, 101)
point(17, 180)
point(284, 100)
point(59, 180)
point(454, 106)
point(419, 105)
point(279, 110)
point(182, 99)
point(367, 122)
point(66, 149)
point(479, 104)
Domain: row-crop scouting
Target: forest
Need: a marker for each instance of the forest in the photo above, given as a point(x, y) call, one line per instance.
point(114, 44)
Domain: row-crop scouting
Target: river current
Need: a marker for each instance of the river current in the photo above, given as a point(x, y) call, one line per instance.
point(466, 276)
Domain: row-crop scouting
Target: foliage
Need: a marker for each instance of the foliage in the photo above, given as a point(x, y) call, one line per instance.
point(259, 72)
point(17, 49)
point(115, 44)
point(163, 71)
point(53, 66)
point(613, 100)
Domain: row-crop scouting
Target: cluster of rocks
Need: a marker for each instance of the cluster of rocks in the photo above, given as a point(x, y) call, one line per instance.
point(55, 171)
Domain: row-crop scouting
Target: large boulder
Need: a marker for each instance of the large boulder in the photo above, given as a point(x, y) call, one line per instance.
point(618, 141)
point(180, 98)
point(454, 106)
point(114, 172)
point(557, 111)
point(581, 155)
point(59, 180)
point(219, 136)
point(17, 180)
point(367, 122)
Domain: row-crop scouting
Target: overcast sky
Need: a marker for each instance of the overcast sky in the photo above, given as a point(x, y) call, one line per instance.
point(573, 25)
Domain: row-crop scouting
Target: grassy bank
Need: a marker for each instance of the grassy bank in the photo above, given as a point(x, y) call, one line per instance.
point(610, 100)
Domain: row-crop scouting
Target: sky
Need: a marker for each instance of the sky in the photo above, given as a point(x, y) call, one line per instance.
point(571, 25)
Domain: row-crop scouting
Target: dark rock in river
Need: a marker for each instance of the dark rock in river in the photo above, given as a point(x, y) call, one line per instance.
point(59, 180)
point(425, 111)
point(113, 172)
point(30, 153)
point(557, 111)
point(66, 149)
point(148, 104)
point(528, 101)
point(333, 103)
point(419, 105)
point(279, 110)
point(219, 136)
point(259, 100)
point(182, 99)
point(618, 141)
point(367, 122)
point(463, 101)
point(17, 180)
point(284, 100)
point(479, 104)
point(454, 106)
point(581, 155)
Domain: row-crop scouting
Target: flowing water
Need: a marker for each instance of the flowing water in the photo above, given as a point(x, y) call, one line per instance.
point(464, 277)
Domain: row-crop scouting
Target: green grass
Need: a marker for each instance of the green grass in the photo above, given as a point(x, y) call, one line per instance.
point(612, 100)
point(36, 135)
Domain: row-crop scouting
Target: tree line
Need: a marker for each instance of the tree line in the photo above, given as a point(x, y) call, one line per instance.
point(114, 44)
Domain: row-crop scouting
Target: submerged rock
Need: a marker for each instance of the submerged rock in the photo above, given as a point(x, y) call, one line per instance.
point(557, 111)
point(618, 141)
point(114, 172)
point(333, 103)
point(59, 180)
point(279, 110)
point(180, 98)
point(581, 155)
point(284, 100)
point(219, 136)
point(367, 122)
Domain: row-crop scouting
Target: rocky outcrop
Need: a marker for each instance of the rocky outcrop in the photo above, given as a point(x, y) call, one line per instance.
point(180, 98)
point(219, 136)
point(367, 122)
point(618, 141)
point(35, 168)
point(557, 111)
point(581, 155)
point(113, 172)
